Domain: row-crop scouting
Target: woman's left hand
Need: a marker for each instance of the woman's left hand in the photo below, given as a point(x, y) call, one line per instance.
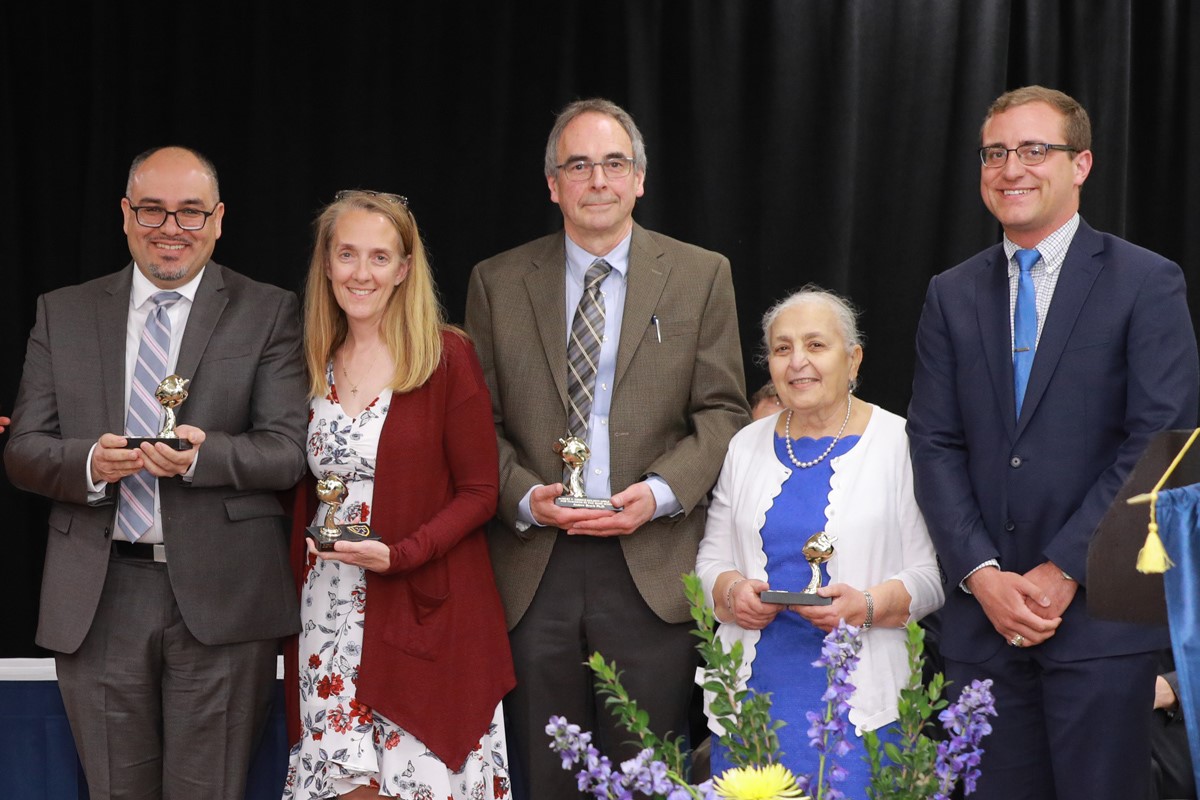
point(374, 556)
point(848, 603)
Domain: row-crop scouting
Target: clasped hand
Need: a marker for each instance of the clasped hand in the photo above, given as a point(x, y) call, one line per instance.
point(1029, 606)
point(375, 556)
point(848, 603)
point(112, 461)
point(637, 506)
point(751, 613)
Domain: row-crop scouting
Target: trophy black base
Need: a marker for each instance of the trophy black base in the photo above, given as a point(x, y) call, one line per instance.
point(592, 503)
point(794, 598)
point(813, 600)
point(353, 532)
point(135, 442)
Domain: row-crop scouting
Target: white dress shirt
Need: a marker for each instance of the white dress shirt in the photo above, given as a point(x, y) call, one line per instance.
point(140, 306)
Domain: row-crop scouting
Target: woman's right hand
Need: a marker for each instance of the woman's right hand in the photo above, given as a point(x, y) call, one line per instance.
point(375, 556)
point(749, 612)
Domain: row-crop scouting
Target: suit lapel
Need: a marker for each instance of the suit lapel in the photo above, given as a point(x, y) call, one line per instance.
point(643, 287)
point(1079, 273)
point(547, 287)
point(112, 316)
point(995, 331)
point(207, 307)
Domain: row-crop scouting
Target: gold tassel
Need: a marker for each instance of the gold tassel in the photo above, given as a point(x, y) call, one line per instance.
point(1153, 558)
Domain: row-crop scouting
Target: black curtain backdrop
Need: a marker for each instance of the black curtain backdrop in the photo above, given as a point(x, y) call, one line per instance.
point(829, 141)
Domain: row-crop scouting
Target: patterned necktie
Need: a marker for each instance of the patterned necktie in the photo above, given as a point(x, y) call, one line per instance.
point(583, 349)
point(1024, 325)
point(135, 512)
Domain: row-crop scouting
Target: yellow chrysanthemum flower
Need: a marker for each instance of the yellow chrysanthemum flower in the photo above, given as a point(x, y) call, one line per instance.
point(770, 782)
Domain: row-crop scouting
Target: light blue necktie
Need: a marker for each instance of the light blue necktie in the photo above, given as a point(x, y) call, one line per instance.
point(135, 512)
point(1024, 325)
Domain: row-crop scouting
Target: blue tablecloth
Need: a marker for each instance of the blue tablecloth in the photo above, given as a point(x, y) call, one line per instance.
point(37, 753)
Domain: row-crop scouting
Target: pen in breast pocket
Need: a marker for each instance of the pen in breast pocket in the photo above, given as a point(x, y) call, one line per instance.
point(657, 330)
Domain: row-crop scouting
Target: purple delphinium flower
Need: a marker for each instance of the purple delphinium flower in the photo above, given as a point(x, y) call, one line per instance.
point(598, 776)
point(966, 722)
point(641, 775)
point(575, 747)
point(569, 741)
point(804, 783)
point(827, 732)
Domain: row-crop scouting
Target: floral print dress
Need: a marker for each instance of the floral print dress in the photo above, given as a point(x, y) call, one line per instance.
point(343, 743)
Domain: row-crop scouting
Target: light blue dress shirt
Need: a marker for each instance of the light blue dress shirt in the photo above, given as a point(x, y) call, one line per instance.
point(597, 479)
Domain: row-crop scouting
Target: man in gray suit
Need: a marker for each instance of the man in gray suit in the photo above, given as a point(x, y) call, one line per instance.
point(166, 583)
point(628, 339)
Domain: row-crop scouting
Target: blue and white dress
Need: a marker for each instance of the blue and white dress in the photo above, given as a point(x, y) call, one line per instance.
point(787, 647)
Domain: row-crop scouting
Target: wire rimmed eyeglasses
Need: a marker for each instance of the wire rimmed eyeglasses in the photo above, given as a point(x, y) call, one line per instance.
point(580, 170)
point(1030, 154)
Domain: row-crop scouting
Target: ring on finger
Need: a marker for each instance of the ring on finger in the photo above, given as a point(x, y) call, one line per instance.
point(1017, 640)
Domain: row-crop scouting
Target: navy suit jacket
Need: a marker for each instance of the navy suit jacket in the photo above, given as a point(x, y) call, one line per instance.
point(1116, 363)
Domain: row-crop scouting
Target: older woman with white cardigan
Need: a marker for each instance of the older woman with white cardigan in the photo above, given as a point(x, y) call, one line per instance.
point(826, 462)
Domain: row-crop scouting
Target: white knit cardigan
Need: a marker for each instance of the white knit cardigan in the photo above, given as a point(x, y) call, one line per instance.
point(880, 535)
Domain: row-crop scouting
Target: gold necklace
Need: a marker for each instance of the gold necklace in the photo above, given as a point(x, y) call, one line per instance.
point(351, 381)
point(787, 439)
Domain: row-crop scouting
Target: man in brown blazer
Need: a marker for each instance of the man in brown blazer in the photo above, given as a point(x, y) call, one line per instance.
point(628, 339)
point(165, 630)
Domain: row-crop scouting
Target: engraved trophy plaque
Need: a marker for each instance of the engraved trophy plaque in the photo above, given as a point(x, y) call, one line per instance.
point(171, 393)
point(332, 491)
point(575, 453)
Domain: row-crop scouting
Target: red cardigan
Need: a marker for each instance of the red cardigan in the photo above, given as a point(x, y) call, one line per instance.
point(435, 655)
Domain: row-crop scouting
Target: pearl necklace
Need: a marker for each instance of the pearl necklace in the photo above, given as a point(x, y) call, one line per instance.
point(787, 439)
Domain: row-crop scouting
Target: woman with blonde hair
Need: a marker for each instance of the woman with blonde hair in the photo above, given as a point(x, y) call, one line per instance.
point(396, 678)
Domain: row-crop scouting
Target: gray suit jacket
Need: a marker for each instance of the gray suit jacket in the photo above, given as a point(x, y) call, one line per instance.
point(224, 531)
point(675, 403)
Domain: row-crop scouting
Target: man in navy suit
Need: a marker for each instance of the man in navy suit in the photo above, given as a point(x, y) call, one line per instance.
point(1044, 366)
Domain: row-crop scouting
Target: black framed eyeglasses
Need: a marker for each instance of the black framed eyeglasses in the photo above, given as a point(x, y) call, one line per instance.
point(188, 219)
point(398, 199)
point(995, 156)
point(579, 170)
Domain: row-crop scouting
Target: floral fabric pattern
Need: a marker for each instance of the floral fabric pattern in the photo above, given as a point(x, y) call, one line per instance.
point(344, 744)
